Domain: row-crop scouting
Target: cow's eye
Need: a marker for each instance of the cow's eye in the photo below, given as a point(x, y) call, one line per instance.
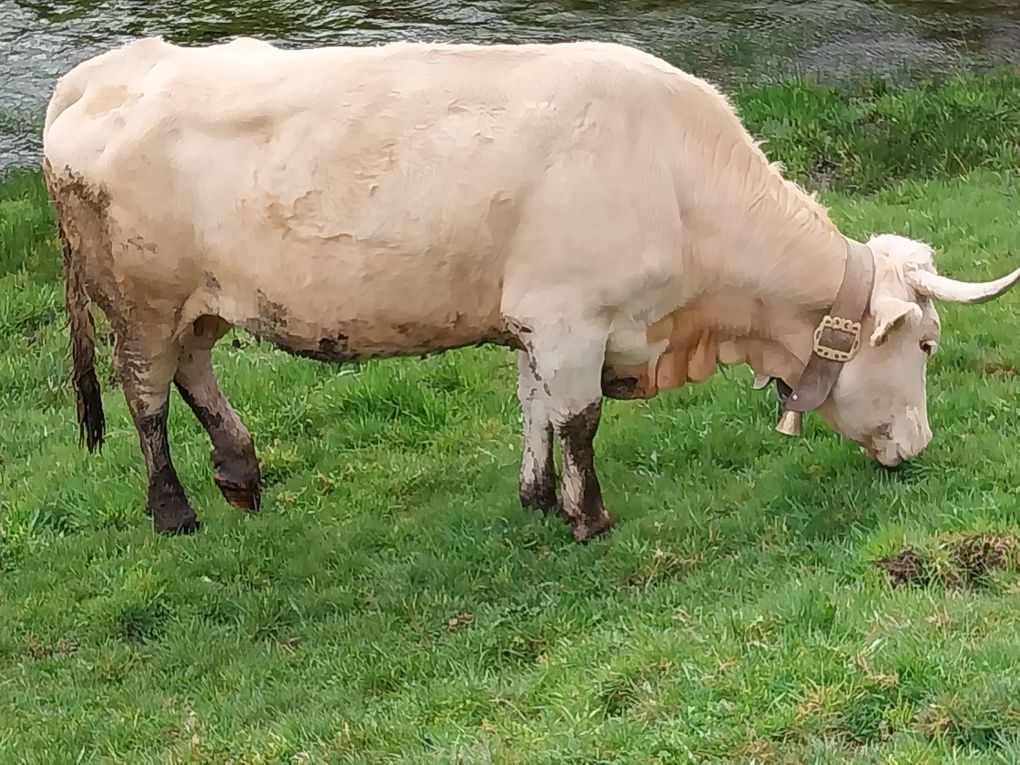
point(929, 346)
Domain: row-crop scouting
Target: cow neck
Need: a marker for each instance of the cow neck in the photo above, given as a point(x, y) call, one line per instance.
point(837, 337)
point(777, 296)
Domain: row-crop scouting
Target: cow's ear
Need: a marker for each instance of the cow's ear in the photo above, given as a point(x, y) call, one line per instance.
point(890, 314)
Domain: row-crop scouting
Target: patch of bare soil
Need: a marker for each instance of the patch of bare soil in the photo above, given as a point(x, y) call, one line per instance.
point(905, 567)
point(958, 561)
point(979, 555)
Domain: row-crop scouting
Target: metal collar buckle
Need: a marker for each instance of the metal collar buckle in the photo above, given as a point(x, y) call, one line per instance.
point(831, 329)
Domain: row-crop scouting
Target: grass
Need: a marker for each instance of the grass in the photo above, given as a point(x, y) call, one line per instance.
point(762, 599)
point(862, 140)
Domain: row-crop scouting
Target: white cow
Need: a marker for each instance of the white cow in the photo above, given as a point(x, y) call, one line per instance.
point(590, 205)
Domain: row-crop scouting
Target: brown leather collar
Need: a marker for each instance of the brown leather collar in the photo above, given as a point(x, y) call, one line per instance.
point(837, 338)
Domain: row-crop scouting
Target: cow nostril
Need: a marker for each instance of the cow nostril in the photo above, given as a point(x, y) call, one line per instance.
point(892, 460)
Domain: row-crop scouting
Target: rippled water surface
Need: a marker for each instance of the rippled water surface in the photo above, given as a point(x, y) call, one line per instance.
point(729, 42)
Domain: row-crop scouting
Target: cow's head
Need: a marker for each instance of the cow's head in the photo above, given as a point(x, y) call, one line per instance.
point(879, 398)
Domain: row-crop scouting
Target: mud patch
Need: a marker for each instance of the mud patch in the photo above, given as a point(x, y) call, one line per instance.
point(968, 560)
point(83, 231)
point(978, 556)
point(905, 567)
point(582, 494)
point(510, 334)
point(334, 350)
point(272, 318)
point(335, 347)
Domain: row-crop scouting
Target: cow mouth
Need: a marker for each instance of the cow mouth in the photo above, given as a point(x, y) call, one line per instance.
point(888, 456)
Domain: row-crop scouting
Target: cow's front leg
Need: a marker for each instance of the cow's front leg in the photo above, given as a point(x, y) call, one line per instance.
point(582, 495)
point(566, 362)
point(537, 485)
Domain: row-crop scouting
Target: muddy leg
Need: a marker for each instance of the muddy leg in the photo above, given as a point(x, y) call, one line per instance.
point(568, 366)
point(537, 485)
point(236, 468)
point(146, 381)
point(582, 495)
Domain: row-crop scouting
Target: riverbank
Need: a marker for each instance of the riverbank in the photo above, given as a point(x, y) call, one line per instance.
point(762, 598)
point(730, 42)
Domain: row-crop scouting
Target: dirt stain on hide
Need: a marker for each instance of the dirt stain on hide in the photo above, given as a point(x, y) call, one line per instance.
point(334, 350)
point(238, 479)
point(276, 324)
point(509, 334)
point(582, 500)
point(272, 316)
point(81, 212)
point(167, 503)
point(363, 339)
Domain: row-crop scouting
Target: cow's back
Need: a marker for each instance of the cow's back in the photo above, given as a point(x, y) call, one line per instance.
point(384, 186)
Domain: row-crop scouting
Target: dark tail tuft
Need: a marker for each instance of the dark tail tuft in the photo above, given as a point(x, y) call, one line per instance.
point(91, 421)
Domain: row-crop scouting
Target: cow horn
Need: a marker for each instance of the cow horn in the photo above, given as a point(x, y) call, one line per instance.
point(954, 291)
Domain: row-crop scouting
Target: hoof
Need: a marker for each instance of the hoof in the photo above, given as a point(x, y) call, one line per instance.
point(185, 528)
point(244, 497)
point(589, 528)
point(238, 481)
point(169, 508)
point(542, 498)
point(171, 523)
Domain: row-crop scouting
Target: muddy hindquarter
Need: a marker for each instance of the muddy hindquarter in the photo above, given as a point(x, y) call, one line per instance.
point(143, 320)
point(80, 218)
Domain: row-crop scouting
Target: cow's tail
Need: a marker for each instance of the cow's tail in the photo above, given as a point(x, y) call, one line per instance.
point(91, 420)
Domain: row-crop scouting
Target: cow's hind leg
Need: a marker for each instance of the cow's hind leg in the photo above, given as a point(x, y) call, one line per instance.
point(235, 466)
point(567, 364)
point(145, 368)
point(537, 486)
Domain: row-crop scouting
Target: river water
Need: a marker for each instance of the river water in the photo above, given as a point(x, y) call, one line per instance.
point(726, 41)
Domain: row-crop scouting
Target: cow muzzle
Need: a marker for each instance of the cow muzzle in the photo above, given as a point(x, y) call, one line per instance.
point(906, 439)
